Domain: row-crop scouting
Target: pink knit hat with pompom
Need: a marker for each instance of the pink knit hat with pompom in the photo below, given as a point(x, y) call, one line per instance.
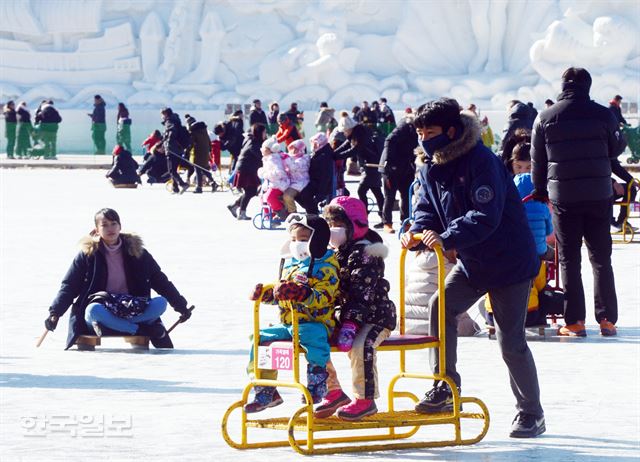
point(357, 213)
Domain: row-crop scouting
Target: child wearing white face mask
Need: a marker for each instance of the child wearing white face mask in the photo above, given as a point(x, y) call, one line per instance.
point(366, 313)
point(309, 280)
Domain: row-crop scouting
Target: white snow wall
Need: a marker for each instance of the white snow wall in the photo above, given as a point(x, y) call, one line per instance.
point(204, 54)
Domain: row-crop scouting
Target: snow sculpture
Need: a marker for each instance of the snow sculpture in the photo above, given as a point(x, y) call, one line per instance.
point(152, 37)
point(608, 47)
point(213, 52)
point(211, 34)
point(178, 49)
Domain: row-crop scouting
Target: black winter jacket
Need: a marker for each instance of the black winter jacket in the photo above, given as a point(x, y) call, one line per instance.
point(257, 117)
point(232, 139)
point(321, 173)
point(88, 275)
point(124, 169)
point(48, 115)
point(398, 160)
point(366, 152)
point(573, 144)
point(23, 116)
point(250, 159)
point(364, 292)
point(201, 144)
point(521, 116)
point(171, 136)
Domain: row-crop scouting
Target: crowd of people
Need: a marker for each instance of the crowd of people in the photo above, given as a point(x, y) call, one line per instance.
point(469, 202)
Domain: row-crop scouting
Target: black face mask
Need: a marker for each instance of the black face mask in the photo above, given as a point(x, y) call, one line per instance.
point(432, 145)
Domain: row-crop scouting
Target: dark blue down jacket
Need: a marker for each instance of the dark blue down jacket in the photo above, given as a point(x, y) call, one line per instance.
point(469, 198)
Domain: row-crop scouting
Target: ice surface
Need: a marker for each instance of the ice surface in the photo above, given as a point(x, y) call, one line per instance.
point(261, 47)
point(590, 387)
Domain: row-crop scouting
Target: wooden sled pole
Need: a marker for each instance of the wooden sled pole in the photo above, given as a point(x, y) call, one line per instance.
point(41, 339)
point(175, 324)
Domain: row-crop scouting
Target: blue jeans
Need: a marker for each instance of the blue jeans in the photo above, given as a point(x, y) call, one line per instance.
point(96, 312)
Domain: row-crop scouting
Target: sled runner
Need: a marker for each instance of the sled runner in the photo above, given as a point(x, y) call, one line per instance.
point(400, 422)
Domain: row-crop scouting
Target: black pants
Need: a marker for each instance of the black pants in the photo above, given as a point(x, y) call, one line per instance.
point(624, 210)
point(363, 187)
point(200, 173)
point(509, 305)
point(391, 186)
point(172, 165)
point(590, 221)
point(248, 193)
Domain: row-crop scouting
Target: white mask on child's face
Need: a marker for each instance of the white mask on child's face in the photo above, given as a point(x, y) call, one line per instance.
point(299, 249)
point(338, 237)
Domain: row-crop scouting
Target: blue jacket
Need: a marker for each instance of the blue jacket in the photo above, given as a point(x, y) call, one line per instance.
point(537, 213)
point(469, 198)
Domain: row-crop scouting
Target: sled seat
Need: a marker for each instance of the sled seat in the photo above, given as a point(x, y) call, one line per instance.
point(393, 343)
point(89, 342)
point(126, 185)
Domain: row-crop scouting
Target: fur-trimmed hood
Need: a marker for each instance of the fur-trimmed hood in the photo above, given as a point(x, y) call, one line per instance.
point(132, 243)
point(463, 144)
point(377, 249)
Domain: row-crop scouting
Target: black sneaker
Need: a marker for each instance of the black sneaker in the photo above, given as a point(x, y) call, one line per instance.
point(379, 225)
point(527, 426)
point(154, 330)
point(438, 399)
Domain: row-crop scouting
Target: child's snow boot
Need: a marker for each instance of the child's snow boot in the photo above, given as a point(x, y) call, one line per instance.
point(265, 397)
point(317, 382)
point(346, 336)
point(357, 410)
point(331, 403)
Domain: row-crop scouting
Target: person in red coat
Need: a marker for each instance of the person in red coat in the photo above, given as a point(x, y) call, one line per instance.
point(287, 131)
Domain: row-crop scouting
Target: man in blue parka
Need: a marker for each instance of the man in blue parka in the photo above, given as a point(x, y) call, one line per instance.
point(469, 205)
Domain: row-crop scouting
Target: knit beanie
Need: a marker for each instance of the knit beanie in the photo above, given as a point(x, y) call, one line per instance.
point(318, 141)
point(356, 211)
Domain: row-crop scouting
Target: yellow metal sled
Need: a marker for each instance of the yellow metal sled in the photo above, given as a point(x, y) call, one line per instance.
point(400, 424)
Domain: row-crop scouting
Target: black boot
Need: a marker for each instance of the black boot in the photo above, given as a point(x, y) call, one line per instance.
point(317, 382)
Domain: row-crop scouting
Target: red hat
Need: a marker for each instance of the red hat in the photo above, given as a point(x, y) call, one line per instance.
point(117, 149)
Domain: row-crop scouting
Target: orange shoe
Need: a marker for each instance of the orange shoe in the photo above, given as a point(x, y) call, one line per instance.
point(607, 328)
point(573, 330)
point(389, 229)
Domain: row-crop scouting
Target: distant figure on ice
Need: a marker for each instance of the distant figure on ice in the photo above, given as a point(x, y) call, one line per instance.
point(272, 118)
point(175, 139)
point(124, 169)
point(98, 125)
point(246, 174)
point(10, 127)
point(256, 114)
point(25, 131)
point(200, 151)
point(48, 120)
point(325, 120)
point(614, 106)
point(109, 284)
point(123, 134)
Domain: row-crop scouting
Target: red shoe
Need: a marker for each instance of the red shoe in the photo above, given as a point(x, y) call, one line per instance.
point(607, 329)
point(330, 404)
point(573, 330)
point(357, 410)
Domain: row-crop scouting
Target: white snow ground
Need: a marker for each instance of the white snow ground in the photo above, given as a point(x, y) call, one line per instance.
point(175, 399)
